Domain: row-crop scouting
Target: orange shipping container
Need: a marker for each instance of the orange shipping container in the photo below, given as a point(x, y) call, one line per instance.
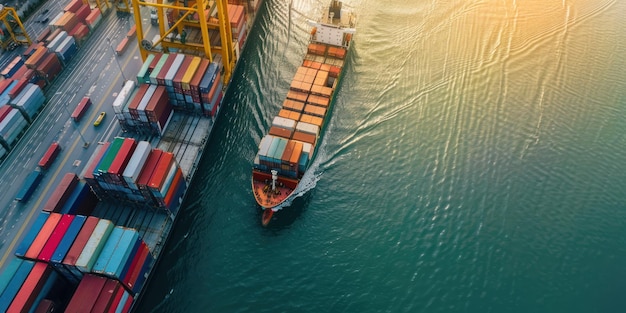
point(296, 95)
point(304, 137)
point(289, 114)
point(297, 152)
point(312, 119)
point(318, 100)
point(287, 152)
point(41, 239)
point(293, 105)
point(280, 132)
point(121, 47)
point(314, 110)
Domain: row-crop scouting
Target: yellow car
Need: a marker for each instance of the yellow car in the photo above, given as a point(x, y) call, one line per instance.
point(99, 119)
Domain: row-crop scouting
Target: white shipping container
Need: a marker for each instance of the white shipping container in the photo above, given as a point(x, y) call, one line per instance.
point(264, 145)
point(56, 42)
point(121, 98)
point(178, 61)
point(284, 122)
point(308, 128)
point(135, 163)
point(94, 245)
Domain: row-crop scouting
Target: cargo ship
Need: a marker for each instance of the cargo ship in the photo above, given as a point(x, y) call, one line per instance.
point(287, 151)
point(94, 241)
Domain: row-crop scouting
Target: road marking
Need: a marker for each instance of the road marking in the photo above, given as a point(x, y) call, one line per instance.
point(56, 173)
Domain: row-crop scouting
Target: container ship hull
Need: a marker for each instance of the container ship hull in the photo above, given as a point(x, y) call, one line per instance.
point(286, 153)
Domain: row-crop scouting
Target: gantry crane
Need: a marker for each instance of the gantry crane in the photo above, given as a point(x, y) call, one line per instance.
point(13, 32)
point(185, 15)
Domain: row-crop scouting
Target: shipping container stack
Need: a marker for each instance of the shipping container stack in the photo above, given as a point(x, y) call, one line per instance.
point(191, 84)
point(144, 110)
point(134, 172)
point(103, 266)
point(292, 137)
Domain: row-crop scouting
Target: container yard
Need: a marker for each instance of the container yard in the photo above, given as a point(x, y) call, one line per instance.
point(96, 231)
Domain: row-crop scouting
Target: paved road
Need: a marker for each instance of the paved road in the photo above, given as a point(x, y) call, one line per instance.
point(93, 72)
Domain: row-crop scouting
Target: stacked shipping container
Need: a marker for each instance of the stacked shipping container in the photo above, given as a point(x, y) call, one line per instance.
point(133, 171)
point(76, 250)
point(291, 139)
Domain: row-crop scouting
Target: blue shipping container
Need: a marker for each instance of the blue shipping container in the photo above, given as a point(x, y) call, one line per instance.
point(122, 253)
point(30, 184)
point(9, 271)
point(32, 233)
point(68, 239)
point(15, 284)
point(110, 248)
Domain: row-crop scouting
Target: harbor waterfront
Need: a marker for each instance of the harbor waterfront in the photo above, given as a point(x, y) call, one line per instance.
point(474, 162)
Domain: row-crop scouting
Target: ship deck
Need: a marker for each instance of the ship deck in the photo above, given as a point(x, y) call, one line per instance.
point(185, 136)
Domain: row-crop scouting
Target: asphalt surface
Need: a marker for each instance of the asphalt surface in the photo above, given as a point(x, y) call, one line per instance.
point(93, 72)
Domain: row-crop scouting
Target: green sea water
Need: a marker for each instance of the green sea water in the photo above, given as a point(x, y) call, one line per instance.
point(474, 162)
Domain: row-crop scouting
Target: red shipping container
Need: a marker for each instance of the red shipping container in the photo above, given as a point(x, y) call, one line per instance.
point(160, 172)
point(50, 67)
point(4, 84)
point(117, 299)
point(79, 31)
point(134, 103)
point(123, 156)
point(154, 62)
point(141, 253)
point(86, 294)
point(166, 67)
point(61, 193)
point(180, 73)
point(35, 281)
point(4, 110)
point(44, 233)
point(197, 77)
point(81, 240)
point(93, 16)
point(24, 72)
point(169, 196)
point(121, 47)
point(159, 103)
point(91, 166)
point(73, 6)
point(128, 304)
point(21, 83)
point(55, 238)
point(133, 274)
point(148, 168)
point(82, 13)
point(105, 299)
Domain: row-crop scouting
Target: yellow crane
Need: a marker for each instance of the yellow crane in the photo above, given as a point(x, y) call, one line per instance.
point(185, 25)
point(12, 31)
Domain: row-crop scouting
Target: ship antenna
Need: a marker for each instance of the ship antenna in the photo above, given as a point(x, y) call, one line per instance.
point(274, 178)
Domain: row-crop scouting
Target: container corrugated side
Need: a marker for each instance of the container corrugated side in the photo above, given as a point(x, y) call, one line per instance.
point(79, 244)
point(43, 235)
point(68, 239)
point(86, 293)
point(32, 233)
point(94, 245)
point(116, 265)
point(55, 238)
point(33, 285)
point(105, 298)
point(135, 164)
point(108, 250)
point(15, 284)
point(171, 73)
